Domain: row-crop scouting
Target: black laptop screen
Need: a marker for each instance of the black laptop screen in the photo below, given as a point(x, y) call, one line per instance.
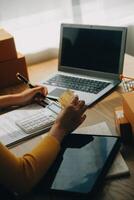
point(91, 49)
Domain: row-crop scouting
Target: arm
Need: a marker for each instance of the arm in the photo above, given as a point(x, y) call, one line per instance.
point(21, 174)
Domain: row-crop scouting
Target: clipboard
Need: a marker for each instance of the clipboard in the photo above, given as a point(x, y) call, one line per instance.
point(81, 166)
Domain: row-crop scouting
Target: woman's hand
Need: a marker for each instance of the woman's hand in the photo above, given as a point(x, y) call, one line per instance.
point(31, 94)
point(22, 98)
point(69, 119)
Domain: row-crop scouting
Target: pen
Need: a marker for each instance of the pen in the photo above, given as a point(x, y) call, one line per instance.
point(24, 80)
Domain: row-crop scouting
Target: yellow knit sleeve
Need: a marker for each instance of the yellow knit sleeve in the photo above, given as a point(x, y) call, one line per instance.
point(21, 174)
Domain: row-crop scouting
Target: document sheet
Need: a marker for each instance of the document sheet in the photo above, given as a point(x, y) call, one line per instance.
point(9, 131)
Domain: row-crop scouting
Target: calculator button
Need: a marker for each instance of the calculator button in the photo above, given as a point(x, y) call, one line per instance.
point(36, 123)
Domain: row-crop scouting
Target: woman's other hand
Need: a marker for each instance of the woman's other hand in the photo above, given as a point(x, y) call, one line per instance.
point(69, 119)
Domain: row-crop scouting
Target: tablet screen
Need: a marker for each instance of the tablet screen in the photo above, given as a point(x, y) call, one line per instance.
point(83, 162)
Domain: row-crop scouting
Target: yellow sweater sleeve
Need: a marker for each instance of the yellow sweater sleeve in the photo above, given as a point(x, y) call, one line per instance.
point(21, 174)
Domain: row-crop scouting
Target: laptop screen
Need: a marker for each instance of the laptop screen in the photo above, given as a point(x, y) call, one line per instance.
point(92, 48)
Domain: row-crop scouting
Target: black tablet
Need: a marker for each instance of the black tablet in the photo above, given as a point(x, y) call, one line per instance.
point(84, 163)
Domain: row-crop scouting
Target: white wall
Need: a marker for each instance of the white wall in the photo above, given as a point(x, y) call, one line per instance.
point(17, 8)
point(111, 12)
point(35, 24)
point(130, 39)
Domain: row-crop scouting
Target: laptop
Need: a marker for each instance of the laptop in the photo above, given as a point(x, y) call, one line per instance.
point(90, 61)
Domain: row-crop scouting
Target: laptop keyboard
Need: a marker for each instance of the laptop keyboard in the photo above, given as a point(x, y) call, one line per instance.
point(75, 83)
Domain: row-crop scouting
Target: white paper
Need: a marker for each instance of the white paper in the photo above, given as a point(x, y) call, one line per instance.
point(9, 131)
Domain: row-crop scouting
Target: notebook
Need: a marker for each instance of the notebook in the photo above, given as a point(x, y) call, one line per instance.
point(90, 61)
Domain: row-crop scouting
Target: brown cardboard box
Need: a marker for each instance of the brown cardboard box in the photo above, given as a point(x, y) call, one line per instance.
point(123, 126)
point(8, 70)
point(7, 46)
point(128, 107)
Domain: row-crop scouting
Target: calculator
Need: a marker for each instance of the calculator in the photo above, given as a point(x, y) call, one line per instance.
point(40, 121)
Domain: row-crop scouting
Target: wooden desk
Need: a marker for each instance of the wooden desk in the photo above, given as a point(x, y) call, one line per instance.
point(117, 189)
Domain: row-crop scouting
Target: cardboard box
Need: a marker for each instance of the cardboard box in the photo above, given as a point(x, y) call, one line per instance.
point(9, 69)
point(128, 107)
point(123, 126)
point(7, 46)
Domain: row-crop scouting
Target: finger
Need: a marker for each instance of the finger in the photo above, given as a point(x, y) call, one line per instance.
point(83, 118)
point(75, 100)
point(81, 104)
point(82, 107)
point(44, 91)
point(37, 88)
point(36, 85)
point(40, 89)
point(85, 107)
